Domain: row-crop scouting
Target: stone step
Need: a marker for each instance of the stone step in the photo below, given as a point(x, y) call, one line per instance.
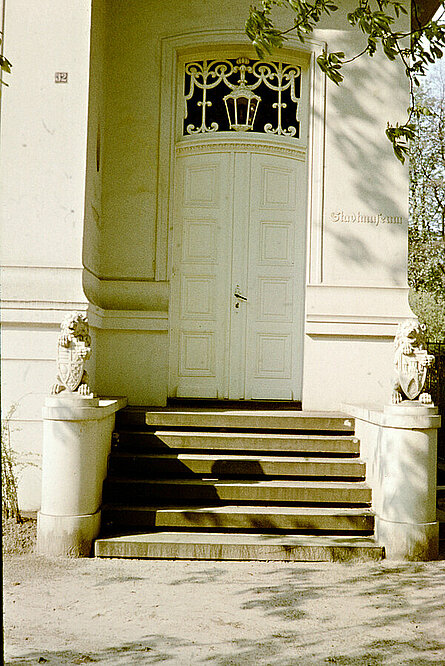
point(250, 419)
point(236, 441)
point(240, 517)
point(214, 403)
point(140, 491)
point(133, 416)
point(202, 546)
point(231, 465)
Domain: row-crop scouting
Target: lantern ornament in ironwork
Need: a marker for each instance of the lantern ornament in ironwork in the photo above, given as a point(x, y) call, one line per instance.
point(242, 103)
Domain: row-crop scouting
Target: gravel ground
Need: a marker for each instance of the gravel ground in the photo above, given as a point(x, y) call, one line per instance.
point(18, 538)
point(127, 612)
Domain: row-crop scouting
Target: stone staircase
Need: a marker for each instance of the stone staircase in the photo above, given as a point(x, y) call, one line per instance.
point(236, 484)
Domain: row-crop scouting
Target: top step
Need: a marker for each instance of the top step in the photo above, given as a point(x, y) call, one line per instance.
point(249, 419)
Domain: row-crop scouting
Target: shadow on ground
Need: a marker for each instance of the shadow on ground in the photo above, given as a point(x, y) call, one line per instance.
point(227, 613)
point(362, 615)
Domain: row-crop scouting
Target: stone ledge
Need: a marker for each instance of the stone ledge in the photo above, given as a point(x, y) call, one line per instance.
point(351, 325)
point(76, 412)
point(408, 415)
point(135, 320)
point(38, 313)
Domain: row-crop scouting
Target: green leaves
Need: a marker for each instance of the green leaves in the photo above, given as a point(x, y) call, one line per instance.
point(5, 65)
point(426, 233)
point(266, 37)
point(331, 64)
point(427, 160)
point(389, 45)
point(370, 22)
point(376, 19)
point(400, 136)
point(262, 33)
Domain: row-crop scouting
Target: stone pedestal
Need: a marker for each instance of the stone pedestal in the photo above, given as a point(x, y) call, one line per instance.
point(76, 444)
point(399, 444)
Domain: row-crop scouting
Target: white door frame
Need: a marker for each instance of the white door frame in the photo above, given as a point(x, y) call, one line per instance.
point(312, 142)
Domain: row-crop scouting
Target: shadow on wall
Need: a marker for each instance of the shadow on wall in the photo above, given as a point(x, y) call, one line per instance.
point(359, 110)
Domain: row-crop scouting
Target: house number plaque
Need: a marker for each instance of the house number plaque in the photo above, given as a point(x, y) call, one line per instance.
point(61, 77)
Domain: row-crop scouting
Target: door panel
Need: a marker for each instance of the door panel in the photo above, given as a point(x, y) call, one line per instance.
point(275, 278)
point(200, 278)
point(238, 276)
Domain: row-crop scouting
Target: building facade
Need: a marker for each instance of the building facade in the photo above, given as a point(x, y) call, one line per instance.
point(256, 257)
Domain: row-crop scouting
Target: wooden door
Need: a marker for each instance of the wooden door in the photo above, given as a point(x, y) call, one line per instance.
point(237, 276)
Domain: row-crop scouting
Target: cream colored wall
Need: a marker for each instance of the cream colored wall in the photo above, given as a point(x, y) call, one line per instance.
point(139, 364)
point(361, 178)
point(43, 137)
point(93, 217)
point(132, 94)
point(132, 89)
point(364, 179)
point(348, 349)
point(357, 282)
point(129, 313)
point(43, 132)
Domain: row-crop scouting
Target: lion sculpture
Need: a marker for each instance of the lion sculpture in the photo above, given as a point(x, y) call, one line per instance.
point(411, 363)
point(73, 349)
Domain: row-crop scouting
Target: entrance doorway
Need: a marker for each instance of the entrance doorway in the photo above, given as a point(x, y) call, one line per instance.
point(238, 268)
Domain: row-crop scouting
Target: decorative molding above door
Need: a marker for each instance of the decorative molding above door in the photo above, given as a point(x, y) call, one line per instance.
point(240, 144)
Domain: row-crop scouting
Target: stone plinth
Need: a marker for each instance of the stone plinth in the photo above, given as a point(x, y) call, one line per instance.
point(76, 444)
point(399, 445)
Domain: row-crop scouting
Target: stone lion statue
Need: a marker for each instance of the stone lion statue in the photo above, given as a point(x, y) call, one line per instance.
point(73, 349)
point(411, 363)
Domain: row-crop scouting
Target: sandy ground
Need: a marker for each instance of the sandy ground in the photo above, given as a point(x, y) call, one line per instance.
point(180, 612)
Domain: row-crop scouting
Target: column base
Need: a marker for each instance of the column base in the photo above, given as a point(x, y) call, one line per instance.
point(408, 541)
point(67, 536)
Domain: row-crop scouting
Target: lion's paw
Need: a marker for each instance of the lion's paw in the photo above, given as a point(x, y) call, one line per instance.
point(65, 339)
point(396, 397)
point(425, 399)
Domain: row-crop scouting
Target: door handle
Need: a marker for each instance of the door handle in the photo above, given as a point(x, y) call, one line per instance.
point(239, 295)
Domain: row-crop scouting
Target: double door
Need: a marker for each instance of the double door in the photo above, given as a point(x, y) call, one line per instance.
point(237, 283)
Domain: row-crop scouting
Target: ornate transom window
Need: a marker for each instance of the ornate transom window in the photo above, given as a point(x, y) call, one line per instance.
point(240, 95)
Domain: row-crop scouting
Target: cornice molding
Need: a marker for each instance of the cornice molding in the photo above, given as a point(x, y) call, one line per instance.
point(295, 152)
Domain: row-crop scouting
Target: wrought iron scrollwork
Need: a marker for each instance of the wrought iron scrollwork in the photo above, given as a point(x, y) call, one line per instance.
point(277, 84)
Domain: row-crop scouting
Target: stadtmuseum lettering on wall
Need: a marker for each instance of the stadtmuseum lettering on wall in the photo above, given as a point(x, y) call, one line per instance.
point(365, 218)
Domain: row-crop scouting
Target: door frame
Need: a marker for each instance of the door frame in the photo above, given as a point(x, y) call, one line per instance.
point(220, 44)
